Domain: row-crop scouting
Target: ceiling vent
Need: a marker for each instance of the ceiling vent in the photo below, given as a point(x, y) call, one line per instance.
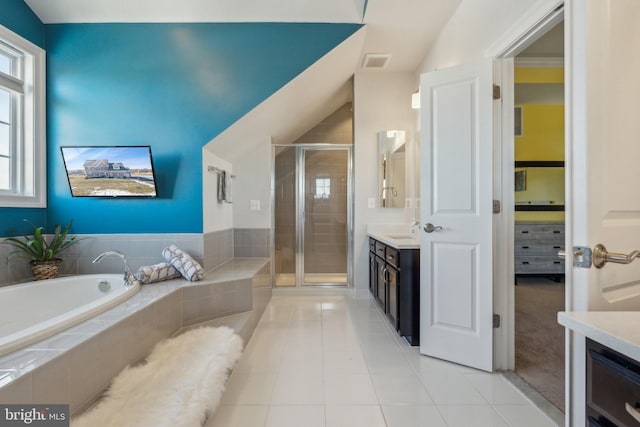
point(376, 61)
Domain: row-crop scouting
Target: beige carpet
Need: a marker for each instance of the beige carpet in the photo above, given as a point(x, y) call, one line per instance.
point(539, 337)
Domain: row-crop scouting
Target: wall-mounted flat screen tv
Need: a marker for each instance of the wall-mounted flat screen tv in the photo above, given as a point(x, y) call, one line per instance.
point(121, 171)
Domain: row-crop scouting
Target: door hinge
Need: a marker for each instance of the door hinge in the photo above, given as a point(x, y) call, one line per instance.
point(496, 92)
point(496, 206)
point(496, 321)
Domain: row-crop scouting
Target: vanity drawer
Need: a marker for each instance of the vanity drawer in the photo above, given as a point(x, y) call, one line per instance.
point(372, 245)
point(613, 387)
point(380, 249)
point(393, 256)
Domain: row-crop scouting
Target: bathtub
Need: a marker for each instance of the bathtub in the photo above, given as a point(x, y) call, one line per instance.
point(30, 312)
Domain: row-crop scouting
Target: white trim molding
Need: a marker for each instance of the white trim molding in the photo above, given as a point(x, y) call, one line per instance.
point(539, 62)
point(33, 193)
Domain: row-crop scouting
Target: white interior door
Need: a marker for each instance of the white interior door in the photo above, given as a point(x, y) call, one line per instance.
point(456, 196)
point(602, 158)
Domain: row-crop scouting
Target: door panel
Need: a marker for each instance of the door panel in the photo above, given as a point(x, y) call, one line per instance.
point(454, 146)
point(456, 193)
point(602, 163)
point(453, 304)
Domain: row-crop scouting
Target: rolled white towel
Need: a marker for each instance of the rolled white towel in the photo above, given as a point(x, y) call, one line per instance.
point(157, 273)
point(183, 262)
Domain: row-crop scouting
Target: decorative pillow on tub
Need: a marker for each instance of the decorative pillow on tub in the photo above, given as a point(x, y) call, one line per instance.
point(157, 273)
point(184, 263)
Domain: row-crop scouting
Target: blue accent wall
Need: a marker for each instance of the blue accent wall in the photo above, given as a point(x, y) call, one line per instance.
point(17, 17)
point(171, 86)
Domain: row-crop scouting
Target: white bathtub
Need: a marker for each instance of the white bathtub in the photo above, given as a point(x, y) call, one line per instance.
point(30, 312)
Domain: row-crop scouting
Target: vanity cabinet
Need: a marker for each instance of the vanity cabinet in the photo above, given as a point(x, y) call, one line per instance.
point(536, 248)
point(394, 282)
point(613, 388)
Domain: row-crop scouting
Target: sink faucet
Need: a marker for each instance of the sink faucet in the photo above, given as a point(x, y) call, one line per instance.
point(129, 278)
point(414, 226)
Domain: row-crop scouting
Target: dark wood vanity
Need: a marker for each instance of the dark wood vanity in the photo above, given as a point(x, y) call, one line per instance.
point(394, 282)
point(613, 388)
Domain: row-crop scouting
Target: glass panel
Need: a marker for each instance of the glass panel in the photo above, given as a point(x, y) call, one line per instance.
point(5, 146)
point(325, 209)
point(5, 174)
point(5, 106)
point(5, 63)
point(285, 217)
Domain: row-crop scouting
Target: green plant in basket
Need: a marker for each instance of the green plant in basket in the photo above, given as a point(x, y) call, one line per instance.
point(42, 251)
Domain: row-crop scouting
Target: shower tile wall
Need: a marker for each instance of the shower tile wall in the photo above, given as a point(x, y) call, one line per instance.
point(325, 233)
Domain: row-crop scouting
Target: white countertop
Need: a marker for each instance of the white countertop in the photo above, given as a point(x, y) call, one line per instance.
point(619, 330)
point(396, 240)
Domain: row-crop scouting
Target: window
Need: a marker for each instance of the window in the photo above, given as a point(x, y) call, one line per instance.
point(323, 188)
point(22, 115)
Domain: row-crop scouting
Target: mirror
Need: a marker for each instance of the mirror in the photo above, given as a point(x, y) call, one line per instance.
point(392, 168)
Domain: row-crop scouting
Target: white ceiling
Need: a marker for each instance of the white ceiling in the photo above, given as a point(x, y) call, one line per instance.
point(404, 28)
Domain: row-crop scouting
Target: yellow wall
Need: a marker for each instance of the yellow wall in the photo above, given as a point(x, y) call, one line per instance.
point(542, 139)
point(542, 133)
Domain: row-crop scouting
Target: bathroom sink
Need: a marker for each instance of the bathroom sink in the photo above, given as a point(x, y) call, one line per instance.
point(401, 236)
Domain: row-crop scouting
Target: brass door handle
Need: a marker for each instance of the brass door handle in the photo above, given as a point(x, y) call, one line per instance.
point(601, 256)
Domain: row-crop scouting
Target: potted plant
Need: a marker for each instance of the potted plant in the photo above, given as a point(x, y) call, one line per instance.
point(43, 253)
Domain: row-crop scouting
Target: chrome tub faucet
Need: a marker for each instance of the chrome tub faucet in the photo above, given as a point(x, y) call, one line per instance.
point(130, 279)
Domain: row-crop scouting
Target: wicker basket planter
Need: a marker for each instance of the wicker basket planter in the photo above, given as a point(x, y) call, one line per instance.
point(43, 270)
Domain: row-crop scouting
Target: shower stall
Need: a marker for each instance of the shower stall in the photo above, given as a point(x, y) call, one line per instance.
point(312, 215)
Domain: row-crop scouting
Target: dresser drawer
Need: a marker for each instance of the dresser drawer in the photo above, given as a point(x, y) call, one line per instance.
point(538, 265)
point(539, 231)
point(548, 248)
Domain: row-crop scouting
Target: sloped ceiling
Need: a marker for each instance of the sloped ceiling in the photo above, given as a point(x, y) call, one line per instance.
point(85, 11)
point(405, 29)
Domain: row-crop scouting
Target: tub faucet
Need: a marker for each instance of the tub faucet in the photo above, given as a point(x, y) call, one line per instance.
point(130, 279)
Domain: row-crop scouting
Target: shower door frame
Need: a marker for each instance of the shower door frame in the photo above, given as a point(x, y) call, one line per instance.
point(300, 150)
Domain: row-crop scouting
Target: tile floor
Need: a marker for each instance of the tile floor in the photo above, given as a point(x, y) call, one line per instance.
point(335, 361)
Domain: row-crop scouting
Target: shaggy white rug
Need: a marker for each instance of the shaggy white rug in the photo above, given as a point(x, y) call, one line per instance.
point(179, 385)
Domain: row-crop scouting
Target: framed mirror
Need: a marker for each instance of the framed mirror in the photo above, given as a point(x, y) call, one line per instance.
point(392, 168)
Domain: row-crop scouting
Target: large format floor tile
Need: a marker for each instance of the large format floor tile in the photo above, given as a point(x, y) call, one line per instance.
point(335, 361)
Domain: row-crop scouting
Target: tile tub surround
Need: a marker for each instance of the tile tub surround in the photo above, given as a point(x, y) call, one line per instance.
point(251, 242)
point(211, 249)
point(218, 248)
point(140, 249)
point(76, 365)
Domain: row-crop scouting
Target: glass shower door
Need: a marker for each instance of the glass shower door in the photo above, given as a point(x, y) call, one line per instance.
point(284, 256)
point(324, 215)
point(311, 215)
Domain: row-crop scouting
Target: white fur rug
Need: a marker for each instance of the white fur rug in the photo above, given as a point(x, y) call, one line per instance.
point(179, 385)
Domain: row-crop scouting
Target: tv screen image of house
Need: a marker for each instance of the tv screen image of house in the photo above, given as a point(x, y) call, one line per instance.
point(121, 171)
